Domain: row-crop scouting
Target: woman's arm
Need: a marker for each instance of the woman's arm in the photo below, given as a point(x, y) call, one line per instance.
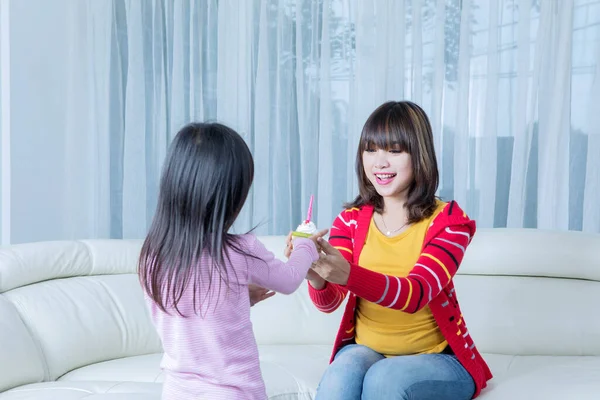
point(327, 296)
point(436, 266)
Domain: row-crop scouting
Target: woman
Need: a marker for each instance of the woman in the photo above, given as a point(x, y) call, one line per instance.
point(394, 251)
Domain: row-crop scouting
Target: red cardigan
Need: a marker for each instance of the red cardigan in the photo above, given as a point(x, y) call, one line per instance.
point(428, 283)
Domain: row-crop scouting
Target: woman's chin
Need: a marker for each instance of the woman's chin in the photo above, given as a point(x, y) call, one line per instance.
point(391, 194)
point(386, 193)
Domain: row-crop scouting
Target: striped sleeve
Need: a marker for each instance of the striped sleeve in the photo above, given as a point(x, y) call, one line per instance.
point(332, 296)
point(340, 234)
point(436, 266)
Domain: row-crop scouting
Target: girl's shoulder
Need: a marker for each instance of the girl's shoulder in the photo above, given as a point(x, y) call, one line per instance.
point(247, 243)
point(245, 238)
point(259, 246)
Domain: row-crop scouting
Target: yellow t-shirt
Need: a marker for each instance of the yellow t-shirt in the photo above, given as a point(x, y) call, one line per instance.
point(394, 332)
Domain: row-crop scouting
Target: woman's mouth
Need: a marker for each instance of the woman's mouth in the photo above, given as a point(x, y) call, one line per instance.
point(384, 179)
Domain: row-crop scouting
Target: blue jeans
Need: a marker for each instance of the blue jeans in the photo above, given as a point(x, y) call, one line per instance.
point(359, 373)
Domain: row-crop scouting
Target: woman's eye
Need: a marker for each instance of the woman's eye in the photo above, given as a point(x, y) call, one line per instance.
point(370, 150)
point(395, 151)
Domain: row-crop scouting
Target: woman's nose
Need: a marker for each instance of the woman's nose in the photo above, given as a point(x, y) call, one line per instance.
point(381, 160)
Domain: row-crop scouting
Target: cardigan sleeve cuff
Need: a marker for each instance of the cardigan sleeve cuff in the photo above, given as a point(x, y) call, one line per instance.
point(323, 297)
point(366, 284)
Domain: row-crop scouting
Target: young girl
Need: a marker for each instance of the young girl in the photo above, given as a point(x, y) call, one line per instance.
point(195, 274)
point(394, 252)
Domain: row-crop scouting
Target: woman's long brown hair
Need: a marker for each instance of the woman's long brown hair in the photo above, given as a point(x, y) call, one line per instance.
point(405, 125)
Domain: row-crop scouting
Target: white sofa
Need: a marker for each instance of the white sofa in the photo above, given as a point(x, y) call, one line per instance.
point(73, 324)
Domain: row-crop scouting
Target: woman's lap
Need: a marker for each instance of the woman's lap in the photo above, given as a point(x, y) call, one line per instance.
point(361, 373)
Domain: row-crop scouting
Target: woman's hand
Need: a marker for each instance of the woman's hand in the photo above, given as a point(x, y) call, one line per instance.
point(258, 294)
point(332, 266)
point(315, 279)
point(317, 237)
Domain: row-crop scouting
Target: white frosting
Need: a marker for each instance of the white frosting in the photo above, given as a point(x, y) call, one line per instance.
point(309, 227)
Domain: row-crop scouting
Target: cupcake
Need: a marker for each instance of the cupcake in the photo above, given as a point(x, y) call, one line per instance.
point(307, 228)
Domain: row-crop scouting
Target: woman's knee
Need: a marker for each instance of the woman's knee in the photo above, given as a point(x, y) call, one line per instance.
point(344, 376)
point(356, 356)
point(422, 377)
point(385, 378)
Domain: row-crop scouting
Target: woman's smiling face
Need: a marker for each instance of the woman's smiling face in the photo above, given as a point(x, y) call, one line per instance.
point(390, 171)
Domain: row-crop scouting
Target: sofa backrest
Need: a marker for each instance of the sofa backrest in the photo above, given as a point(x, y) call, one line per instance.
point(70, 304)
point(64, 305)
point(532, 292)
point(522, 291)
point(21, 361)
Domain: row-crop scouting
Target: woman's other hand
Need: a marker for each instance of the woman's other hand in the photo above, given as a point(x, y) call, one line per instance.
point(316, 238)
point(332, 266)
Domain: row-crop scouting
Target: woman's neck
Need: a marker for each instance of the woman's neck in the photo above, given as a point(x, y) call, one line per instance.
point(393, 219)
point(394, 206)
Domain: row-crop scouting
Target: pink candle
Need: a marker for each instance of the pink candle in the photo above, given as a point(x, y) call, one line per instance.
point(310, 205)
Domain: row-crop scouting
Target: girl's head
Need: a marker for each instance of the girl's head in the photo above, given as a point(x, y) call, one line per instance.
point(396, 159)
point(205, 180)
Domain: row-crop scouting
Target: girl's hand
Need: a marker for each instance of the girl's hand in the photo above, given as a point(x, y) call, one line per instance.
point(332, 266)
point(258, 294)
point(288, 246)
point(313, 278)
point(289, 242)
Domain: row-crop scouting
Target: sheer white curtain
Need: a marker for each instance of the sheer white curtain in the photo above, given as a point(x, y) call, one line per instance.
point(98, 88)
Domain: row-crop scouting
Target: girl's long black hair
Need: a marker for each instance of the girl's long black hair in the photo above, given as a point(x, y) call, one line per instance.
point(205, 180)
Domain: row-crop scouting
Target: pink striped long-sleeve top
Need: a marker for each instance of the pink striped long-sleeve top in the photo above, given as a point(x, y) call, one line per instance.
point(213, 354)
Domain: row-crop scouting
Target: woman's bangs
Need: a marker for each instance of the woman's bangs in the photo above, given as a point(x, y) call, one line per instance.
point(379, 133)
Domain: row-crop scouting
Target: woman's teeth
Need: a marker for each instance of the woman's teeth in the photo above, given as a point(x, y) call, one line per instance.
point(384, 179)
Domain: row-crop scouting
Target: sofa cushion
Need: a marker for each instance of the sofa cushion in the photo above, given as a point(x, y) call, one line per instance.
point(290, 372)
point(24, 264)
point(84, 320)
point(89, 390)
point(287, 369)
point(20, 358)
point(533, 252)
point(532, 292)
point(542, 377)
point(293, 319)
point(293, 372)
point(531, 315)
point(144, 368)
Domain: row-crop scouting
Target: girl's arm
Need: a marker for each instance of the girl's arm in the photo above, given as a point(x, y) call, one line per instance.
point(284, 277)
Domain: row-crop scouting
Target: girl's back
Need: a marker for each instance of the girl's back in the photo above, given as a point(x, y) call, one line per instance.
point(195, 274)
point(213, 354)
